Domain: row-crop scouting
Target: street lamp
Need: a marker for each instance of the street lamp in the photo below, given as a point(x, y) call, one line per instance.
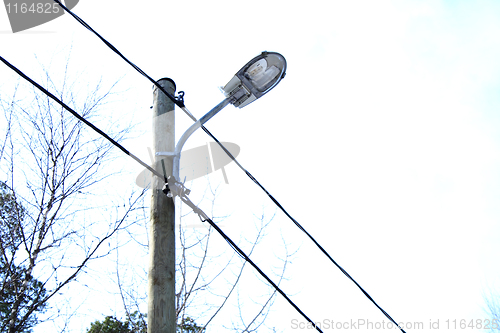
point(252, 81)
point(256, 78)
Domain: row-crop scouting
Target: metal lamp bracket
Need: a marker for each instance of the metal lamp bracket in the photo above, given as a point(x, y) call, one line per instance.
point(166, 153)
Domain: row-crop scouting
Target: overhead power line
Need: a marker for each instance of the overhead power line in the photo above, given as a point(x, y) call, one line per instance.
point(179, 102)
point(46, 92)
point(183, 195)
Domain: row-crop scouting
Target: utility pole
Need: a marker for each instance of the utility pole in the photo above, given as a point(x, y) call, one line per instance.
point(161, 279)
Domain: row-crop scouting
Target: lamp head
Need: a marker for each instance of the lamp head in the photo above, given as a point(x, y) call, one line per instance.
point(256, 78)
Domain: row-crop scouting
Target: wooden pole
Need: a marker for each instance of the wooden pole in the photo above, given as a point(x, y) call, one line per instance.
point(161, 279)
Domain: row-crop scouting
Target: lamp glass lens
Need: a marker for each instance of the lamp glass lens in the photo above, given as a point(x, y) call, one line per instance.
point(262, 76)
point(266, 79)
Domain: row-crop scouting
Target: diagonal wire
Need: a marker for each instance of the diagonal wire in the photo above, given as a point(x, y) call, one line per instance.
point(180, 103)
point(74, 113)
point(302, 229)
point(204, 217)
point(177, 101)
point(183, 197)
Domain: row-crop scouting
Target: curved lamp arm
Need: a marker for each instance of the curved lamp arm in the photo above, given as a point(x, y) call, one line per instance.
point(178, 147)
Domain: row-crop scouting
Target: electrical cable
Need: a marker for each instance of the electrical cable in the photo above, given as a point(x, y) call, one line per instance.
point(303, 229)
point(74, 113)
point(179, 102)
point(182, 196)
point(205, 218)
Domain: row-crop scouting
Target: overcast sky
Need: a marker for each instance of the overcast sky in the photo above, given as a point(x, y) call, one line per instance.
point(383, 140)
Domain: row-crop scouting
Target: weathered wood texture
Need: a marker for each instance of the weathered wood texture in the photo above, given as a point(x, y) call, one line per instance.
point(161, 279)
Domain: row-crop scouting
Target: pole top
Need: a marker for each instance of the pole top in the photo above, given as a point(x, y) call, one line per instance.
point(167, 79)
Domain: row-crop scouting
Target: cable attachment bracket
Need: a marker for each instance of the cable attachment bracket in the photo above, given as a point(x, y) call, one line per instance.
point(174, 188)
point(180, 98)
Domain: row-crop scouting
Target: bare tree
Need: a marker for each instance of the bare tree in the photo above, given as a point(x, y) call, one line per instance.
point(54, 170)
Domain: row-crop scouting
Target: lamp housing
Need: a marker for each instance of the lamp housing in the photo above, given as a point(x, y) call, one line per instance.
point(255, 79)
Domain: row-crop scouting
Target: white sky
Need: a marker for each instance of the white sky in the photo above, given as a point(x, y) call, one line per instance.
point(382, 140)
